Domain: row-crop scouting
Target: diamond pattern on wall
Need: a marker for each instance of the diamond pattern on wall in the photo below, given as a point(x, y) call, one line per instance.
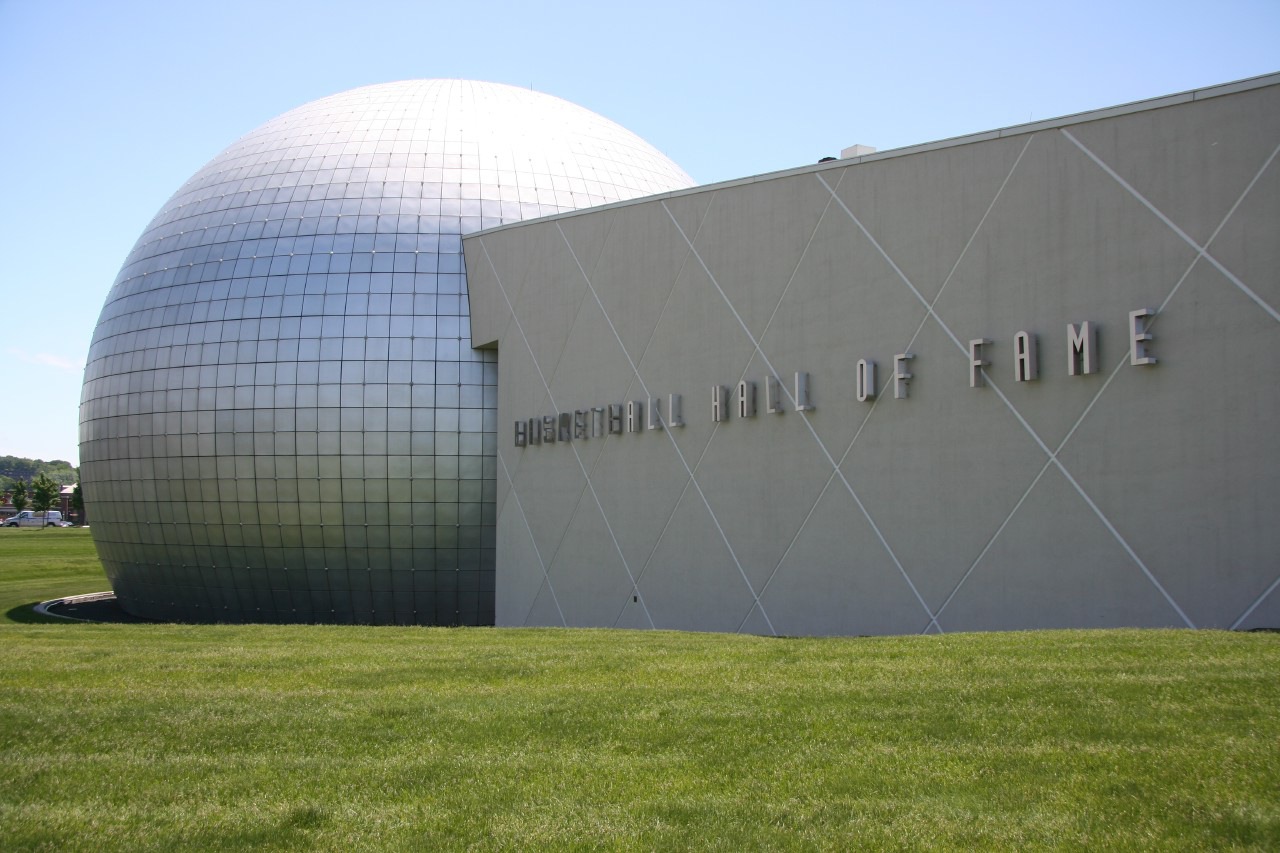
point(846, 294)
point(926, 237)
point(790, 471)
point(970, 454)
point(780, 217)
point(641, 489)
point(635, 310)
point(1193, 178)
point(861, 592)
point(678, 588)
point(1054, 259)
point(1235, 454)
point(1016, 504)
point(1013, 585)
point(591, 578)
point(1245, 241)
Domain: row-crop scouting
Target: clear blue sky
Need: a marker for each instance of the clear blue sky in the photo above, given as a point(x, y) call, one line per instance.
point(107, 107)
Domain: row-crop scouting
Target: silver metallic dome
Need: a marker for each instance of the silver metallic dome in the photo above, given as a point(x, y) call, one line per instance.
point(282, 416)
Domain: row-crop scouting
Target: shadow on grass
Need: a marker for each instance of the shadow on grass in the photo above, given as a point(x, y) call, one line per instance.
point(26, 613)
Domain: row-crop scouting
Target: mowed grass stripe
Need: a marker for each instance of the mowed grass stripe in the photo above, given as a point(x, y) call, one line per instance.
point(150, 737)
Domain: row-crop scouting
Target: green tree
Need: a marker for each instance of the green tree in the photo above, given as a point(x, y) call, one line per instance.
point(19, 468)
point(44, 493)
point(77, 503)
point(19, 495)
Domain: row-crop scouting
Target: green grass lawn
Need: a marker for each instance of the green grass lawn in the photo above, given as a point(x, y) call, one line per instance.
point(151, 737)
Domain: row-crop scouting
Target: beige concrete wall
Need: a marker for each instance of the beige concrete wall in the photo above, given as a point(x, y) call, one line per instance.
point(1137, 495)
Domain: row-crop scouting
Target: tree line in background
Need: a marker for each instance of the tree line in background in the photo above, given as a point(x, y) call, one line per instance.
point(42, 494)
point(38, 484)
point(18, 468)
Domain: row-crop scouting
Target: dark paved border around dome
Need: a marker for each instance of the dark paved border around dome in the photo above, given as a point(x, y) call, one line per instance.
point(91, 607)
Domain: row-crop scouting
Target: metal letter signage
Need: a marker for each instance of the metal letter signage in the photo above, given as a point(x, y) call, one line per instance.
point(642, 416)
point(635, 415)
point(976, 362)
point(1082, 348)
point(746, 399)
point(802, 393)
point(865, 380)
point(719, 403)
point(900, 375)
point(673, 411)
point(772, 396)
point(655, 413)
point(1139, 337)
point(1025, 365)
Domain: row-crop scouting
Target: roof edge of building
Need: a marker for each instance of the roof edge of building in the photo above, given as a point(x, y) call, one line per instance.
point(1159, 102)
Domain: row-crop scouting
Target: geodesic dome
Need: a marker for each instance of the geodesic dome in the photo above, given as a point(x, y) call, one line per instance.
point(282, 416)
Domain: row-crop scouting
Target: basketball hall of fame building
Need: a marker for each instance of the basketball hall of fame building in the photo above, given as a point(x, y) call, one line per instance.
point(1020, 379)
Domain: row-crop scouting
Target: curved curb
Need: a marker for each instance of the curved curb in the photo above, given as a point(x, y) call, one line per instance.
point(43, 608)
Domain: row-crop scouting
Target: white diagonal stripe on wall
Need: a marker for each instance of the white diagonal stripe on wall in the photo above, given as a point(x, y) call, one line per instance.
point(1245, 615)
point(1207, 243)
point(743, 375)
point(952, 272)
point(520, 328)
point(796, 536)
point(546, 579)
point(1115, 371)
point(994, 536)
point(691, 475)
point(874, 403)
point(994, 386)
point(1202, 251)
point(1111, 377)
point(785, 390)
point(893, 264)
point(635, 372)
point(716, 428)
point(1106, 522)
point(691, 472)
point(945, 281)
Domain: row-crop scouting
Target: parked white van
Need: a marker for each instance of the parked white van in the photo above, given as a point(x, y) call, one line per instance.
point(27, 518)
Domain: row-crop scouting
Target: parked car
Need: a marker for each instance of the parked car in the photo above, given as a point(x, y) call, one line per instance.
point(28, 518)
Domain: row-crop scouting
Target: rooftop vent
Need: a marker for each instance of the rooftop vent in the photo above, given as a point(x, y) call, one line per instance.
point(856, 151)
